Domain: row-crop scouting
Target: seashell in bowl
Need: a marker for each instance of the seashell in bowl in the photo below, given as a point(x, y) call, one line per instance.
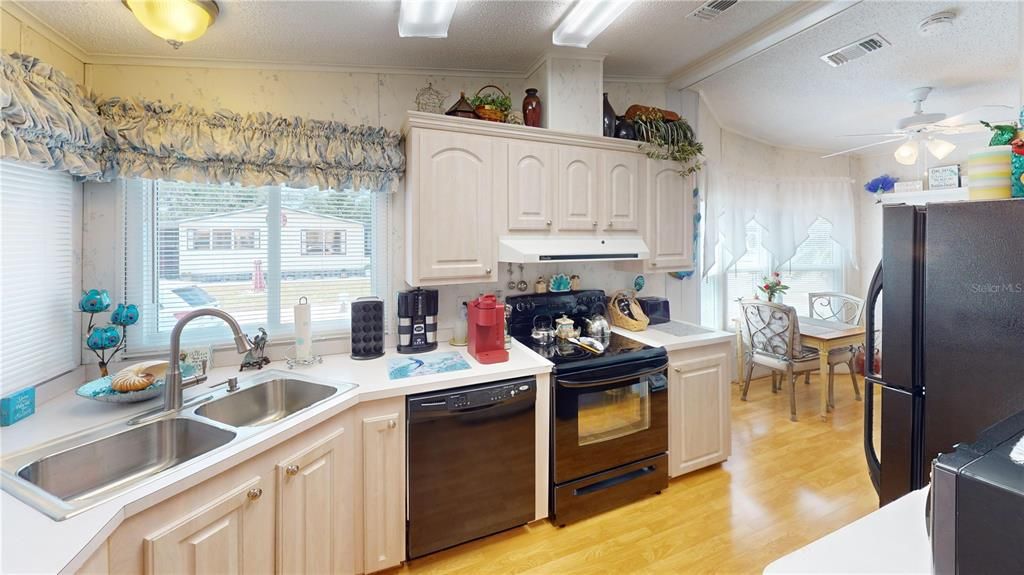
point(138, 376)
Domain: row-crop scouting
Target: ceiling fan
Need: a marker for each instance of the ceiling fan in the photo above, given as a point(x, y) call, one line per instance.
point(922, 127)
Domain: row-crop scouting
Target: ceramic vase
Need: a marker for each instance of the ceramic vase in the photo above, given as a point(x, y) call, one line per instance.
point(624, 129)
point(532, 108)
point(608, 119)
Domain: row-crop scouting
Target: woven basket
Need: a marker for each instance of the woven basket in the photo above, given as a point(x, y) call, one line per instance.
point(490, 113)
point(622, 320)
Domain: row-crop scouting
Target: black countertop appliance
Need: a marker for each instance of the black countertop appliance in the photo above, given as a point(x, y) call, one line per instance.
point(977, 504)
point(417, 320)
point(952, 292)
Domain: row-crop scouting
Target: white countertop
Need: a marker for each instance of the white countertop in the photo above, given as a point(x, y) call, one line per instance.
point(34, 543)
point(699, 336)
point(893, 539)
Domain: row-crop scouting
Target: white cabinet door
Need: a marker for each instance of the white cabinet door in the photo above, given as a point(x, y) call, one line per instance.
point(699, 423)
point(578, 188)
point(532, 181)
point(383, 491)
point(620, 197)
point(234, 533)
point(669, 229)
point(314, 502)
point(450, 209)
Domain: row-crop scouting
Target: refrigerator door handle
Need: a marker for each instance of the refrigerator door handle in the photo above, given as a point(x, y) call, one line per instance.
point(874, 465)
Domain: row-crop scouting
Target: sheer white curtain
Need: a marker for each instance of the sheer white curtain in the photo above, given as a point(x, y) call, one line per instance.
point(785, 207)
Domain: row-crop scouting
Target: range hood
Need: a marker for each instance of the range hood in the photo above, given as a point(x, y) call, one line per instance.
point(524, 250)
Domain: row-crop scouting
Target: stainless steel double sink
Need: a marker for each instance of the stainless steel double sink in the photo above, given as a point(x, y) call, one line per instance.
point(76, 472)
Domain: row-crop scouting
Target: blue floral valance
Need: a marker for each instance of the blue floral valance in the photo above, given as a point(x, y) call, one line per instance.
point(47, 120)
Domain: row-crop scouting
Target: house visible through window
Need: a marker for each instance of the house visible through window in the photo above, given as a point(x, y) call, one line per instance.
point(252, 252)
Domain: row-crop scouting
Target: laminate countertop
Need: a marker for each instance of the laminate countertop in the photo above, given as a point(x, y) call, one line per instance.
point(34, 543)
point(676, 335)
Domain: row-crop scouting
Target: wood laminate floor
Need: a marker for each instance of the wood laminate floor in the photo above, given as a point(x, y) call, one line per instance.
point(785, 485)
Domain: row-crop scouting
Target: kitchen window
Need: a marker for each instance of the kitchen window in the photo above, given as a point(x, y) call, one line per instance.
point(816, 266)
point(252, 252)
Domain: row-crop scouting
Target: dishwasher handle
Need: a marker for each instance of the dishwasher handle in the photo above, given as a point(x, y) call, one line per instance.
point(471, 399)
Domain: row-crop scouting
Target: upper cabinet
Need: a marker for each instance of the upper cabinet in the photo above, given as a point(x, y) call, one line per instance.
point(578, 188)
point(669, 226)
point(450, 191)
point(620, 191)
point(532, 180)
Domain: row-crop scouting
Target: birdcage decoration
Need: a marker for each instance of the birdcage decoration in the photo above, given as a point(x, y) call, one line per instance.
point(429, 99)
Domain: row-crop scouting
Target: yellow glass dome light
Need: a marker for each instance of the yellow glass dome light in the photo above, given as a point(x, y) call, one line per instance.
point(177, 21)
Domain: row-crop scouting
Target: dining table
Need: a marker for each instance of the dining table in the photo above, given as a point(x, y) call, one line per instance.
point(824, 336)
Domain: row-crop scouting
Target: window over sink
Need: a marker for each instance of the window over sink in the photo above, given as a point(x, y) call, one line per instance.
point(252, 252)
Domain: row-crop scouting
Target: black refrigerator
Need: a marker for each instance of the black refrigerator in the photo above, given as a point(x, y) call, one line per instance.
point(951, 285)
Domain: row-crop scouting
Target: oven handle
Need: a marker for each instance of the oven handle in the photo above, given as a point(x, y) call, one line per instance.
point(584, 383)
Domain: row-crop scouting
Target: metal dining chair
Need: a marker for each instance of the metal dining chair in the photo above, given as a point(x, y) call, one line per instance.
point(844, 308)
point(773, 334)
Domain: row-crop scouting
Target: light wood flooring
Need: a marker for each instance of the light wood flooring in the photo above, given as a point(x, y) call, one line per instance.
point(785, 485)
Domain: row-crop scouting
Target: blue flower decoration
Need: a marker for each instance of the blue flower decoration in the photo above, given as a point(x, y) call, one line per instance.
point(94, 301)
point(883, 183)
point(125, 315)
point(101, 338)
point(111, 337)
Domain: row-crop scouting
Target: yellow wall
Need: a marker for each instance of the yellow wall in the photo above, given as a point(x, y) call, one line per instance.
point(18, 36)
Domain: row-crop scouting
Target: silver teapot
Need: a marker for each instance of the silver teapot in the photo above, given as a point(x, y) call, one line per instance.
point(597, 327)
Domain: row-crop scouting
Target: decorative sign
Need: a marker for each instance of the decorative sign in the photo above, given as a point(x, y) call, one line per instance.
point(944, 177)
point(911, 186)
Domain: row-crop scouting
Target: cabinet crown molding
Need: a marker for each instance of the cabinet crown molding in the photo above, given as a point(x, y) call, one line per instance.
point(484, 128)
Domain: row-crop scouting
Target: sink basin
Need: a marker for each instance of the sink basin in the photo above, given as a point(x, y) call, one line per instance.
point(265, 403)
point(83, 474)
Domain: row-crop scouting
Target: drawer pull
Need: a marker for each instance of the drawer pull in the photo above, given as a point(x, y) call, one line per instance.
point(254, 493)
point(292, 470)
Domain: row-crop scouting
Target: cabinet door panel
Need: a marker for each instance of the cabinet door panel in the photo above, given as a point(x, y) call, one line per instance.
point(532, 179)
point(232, 534)
point(669, 217)
point(383, 492)
point(621, 196)
point(452, 207)
point(577, 189)
point(315, 509)
point(698, 413)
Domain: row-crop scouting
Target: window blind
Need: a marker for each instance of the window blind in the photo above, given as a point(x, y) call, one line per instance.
point(37, 311)
point(253, 252)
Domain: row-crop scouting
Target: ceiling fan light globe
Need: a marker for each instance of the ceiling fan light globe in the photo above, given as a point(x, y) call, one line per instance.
point(906, 154)
point(176, 21)
point(940, 148)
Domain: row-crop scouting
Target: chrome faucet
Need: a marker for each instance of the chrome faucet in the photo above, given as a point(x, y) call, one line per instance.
point(173, 386)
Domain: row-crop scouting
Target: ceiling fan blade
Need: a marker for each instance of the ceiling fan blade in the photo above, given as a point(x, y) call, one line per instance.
point(865, 146)
point(961, 129)
point(991, 114)
point(877, 135)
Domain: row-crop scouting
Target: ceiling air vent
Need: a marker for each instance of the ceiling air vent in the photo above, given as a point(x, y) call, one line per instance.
point(711, 9)
point(851, 52)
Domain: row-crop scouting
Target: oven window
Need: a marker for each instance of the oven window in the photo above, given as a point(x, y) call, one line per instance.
point(613, 413)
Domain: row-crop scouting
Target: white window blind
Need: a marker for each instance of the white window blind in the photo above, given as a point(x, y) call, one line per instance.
point(37, 311)
point(252, 252)
point(816, 266)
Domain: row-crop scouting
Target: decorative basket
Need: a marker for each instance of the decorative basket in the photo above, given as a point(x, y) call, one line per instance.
point(490, 113)
point(636, 320)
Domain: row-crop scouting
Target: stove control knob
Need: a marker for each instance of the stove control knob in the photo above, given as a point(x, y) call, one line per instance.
point(520, 306)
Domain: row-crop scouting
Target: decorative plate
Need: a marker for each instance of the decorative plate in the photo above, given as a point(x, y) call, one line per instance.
point(559, 283)
point(100, 390)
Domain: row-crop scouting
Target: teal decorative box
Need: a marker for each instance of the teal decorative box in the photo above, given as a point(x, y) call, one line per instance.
point(17, 406)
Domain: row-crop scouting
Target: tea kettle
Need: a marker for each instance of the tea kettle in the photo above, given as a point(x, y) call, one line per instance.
point(597, 327)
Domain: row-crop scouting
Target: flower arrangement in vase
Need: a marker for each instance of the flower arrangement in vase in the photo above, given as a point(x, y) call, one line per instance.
point(773, 286)
point(111, 337)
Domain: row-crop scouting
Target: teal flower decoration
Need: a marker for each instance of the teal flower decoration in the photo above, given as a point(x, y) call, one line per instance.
point(94, 301)
point(125, 315)
point(101, 338)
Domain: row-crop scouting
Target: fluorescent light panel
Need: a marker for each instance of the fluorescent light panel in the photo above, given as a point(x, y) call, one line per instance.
point(586, 20)
point(425, 18)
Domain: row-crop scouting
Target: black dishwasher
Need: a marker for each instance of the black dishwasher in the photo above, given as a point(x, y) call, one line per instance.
point(471, 463)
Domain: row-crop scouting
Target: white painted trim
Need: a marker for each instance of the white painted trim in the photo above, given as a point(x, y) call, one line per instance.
point(636, 79)
point(787, 24)
point(29, 19)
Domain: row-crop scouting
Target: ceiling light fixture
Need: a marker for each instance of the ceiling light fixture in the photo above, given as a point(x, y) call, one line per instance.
point(177, 21)
point(586, 20)
point(906, 154)
point(939, 148)
point(425, 18)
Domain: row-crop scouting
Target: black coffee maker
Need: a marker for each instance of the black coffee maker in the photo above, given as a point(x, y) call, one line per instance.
point(417, 320)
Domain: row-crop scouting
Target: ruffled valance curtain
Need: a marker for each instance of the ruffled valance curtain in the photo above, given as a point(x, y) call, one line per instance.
point(48, 121)
point(785, 207)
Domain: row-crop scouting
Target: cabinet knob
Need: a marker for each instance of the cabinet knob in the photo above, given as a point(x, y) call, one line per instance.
point(595, 223)
point(610, 224)
point(547, 223)
point(654, 264)
point(677, 370)
point(292, 470)
point(254, 493)
point(487, 271)
point(392, 424)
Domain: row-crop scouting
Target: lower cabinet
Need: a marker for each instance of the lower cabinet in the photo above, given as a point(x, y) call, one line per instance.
point(383, 493)
point(233, 533)
point(699, 417)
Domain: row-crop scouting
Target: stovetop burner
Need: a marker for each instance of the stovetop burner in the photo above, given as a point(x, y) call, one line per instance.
point(562, 352)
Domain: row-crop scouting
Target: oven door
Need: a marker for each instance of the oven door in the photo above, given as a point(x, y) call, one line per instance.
point(607, 417)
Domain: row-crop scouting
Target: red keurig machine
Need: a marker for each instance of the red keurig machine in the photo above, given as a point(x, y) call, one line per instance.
point(486, 332)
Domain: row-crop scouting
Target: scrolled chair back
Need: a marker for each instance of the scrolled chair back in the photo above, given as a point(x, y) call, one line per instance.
point(771, 328)
point(835, 306)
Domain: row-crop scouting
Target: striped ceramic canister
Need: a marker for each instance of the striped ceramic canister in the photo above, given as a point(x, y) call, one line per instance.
point(988, 173)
